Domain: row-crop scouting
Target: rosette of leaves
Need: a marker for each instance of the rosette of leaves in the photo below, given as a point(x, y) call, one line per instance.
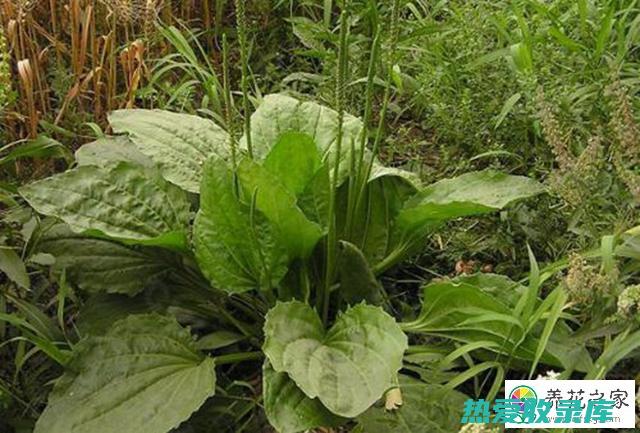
point(168, 203)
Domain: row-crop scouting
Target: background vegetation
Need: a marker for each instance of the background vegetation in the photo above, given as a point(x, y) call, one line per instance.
point(546, 89)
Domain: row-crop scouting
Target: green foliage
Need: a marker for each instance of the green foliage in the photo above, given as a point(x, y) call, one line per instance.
point(145, 374)
point(104, 265)
point(289, 409)
point(461, 309)
point(425, 408)
point(40, 147)
point(368, 342)
point(261, 231)
point(12, 266)
point(123, 201)
point(279, 114)
point(180, 275)
point(235, 246)
point(469, 194)
point(155, 134)
point(108, 150)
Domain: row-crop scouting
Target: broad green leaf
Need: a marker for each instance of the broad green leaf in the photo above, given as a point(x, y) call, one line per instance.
point(473, 193)
point(278, 205)
point(462, 311)
point(13, 267)
point(178, 143)
point(357, 282)
point(104, 265)
point(109, 150)
point(349, 366)
point(279, 114)
point(288, 409)
point(144, 375)
point(294, 160)
point(124, 201)
point(314, 200)
point(499, 286)
point(426, 408)
point(237, 251)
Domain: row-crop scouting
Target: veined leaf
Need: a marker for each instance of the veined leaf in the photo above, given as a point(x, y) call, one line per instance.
point(125, 202)
point(235, 251)
point(104, 265)
point(13, 267)
point(499, 286)
point(294, 161)
point(108, 150)
point(347, 367)
point(470, 194)
point(288, 409)
point(144, 376)
point(178, 143)
point(279, 114)
point(357, 282)
point(426, 408)
point(462, 311)
point(279, 206)
point(314, 200)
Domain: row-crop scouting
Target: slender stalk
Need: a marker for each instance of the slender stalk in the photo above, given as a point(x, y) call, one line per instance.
point(358, 182)
point(332, 235)
point(241, 20)
point(393, 42)
point(228, 107)
point(233, 358)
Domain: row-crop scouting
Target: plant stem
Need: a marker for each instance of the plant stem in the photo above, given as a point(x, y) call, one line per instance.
point(233, 358)
point(358, 182)
point(228, 106)
point(332, 236)
point(393, 42)
point(241, 20)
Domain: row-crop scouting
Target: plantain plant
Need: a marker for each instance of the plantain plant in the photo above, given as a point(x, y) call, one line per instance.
point(280, 250)
point(270, 247)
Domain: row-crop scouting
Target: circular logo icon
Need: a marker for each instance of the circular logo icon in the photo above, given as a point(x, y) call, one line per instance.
point(522, 393)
